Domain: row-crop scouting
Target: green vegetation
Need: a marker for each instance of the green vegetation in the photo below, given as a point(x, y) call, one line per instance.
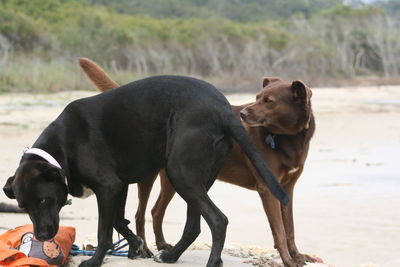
point(236, 10)
point(232, 43)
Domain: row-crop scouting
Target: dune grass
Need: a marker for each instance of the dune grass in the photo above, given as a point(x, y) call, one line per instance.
point(36, 75)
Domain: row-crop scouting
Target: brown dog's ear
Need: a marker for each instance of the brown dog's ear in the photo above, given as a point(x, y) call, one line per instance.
point(301, 93)
point(269, 80)
point(8, 189)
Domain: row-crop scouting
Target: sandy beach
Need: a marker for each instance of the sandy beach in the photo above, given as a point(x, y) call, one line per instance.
point(347, 201)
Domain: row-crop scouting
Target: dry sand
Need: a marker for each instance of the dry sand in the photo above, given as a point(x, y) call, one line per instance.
point(347, 201)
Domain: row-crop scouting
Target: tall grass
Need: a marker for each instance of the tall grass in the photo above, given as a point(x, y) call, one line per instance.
point(40, 40)
point(33, 74)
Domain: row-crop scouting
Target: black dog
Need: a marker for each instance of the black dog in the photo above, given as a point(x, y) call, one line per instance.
point(126, 136)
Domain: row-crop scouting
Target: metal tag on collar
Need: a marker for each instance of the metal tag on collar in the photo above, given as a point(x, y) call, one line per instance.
point(270, 140)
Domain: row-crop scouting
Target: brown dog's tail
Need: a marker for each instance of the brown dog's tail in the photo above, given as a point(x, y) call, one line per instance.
point(97, 75)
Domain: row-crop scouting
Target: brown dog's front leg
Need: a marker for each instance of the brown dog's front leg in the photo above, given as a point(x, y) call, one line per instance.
point(271, 205)
point(166, 194)
point(287, 216)
point(273, 211)
point(107, 196)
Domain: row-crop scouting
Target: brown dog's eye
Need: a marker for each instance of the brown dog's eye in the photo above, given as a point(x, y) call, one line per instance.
point(267, 100)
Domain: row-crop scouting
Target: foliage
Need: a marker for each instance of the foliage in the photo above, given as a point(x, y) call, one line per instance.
point(232, 43)
point(237, 10)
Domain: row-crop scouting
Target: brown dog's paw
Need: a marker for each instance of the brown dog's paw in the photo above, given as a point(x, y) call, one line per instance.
point(163, 246)
point(301, 259)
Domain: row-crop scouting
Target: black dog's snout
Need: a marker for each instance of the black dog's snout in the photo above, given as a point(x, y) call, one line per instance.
point(43, 236)
point(45, 232)
point(7, 189)
point(8, 192)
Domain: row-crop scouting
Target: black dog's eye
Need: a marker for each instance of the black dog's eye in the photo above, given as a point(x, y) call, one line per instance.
point(43, 201)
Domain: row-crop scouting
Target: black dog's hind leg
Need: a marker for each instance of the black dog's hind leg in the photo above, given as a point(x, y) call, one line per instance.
point(136, 244)
point(192, 174)
point(107, 193)
point(190, 233)
point(199, 203)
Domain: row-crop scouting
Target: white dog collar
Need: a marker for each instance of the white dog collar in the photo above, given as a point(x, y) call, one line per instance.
point(43, 154)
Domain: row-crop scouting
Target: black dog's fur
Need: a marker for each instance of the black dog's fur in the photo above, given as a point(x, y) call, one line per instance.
point(126, 136)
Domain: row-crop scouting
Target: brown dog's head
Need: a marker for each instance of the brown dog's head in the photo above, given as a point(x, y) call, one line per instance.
point(39, 188)
point(280, 107)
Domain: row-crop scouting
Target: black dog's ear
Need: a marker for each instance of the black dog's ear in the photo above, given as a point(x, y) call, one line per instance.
point(54, 173)
point(300, 92)
point(8, 189)
point(268, 80)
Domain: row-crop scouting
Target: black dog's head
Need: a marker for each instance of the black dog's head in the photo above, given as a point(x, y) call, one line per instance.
point(39, 188)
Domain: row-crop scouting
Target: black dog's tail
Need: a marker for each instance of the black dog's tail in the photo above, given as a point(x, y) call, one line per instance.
point(237, 131)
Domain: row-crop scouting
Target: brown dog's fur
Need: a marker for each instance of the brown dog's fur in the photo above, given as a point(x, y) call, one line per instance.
point(272, 113)
point(97, 75)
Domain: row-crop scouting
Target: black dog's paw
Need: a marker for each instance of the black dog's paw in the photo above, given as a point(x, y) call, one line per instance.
point(217, 263)
point(164, 256)
point(140, 253)
point(90, 263)
point(139, 249)
point(158, 257)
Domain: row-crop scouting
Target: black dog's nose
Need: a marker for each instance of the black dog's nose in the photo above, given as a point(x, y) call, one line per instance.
point(45, 233)
point(43, 236)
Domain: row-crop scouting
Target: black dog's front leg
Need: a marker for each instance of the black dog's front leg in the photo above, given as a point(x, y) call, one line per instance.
point(137, 247)
point(106, 200)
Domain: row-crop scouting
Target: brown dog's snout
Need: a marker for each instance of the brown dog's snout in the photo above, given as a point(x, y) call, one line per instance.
point(243, 113)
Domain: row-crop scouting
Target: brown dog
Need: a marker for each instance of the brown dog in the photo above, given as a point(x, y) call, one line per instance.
point(281, 124)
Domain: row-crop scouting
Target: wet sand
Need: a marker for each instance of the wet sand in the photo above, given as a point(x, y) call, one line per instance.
point(347, 201)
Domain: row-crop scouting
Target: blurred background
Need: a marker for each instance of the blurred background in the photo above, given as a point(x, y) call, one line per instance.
point(347, 201)
point(228, 42)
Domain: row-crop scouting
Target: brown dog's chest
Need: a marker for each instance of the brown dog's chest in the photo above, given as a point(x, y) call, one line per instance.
point(289, 152)
point(287, 158)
